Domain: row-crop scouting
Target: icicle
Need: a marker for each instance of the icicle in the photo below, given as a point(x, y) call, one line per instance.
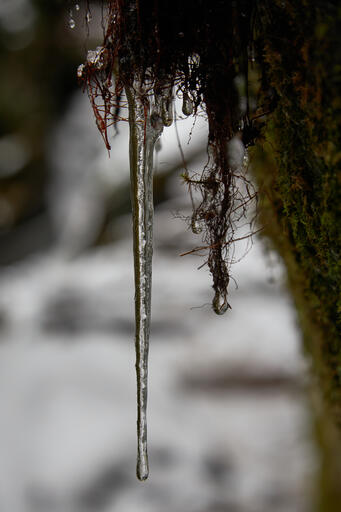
point(145, 129)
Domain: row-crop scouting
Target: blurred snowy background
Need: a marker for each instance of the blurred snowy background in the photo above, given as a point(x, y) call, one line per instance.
point(229, 423)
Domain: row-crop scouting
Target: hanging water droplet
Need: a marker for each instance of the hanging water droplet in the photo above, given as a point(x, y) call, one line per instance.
point(72, 22)
point(220, 304)
point(167, 108)
point(92, 56)
point(97, 58)
point(246, 160)
point(187, 105)
point(195, 224)
point(80, 70)
point(77, 7)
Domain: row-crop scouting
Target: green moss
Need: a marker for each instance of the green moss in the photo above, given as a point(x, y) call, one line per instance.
point(298, 172)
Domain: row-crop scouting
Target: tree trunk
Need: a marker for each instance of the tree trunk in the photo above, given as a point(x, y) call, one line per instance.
point(297, 167)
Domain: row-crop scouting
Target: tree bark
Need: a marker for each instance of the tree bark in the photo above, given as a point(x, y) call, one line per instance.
point(297, 167)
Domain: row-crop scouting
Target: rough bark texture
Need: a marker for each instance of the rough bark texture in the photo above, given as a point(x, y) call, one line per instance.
point(299, 176)
point(297, 166)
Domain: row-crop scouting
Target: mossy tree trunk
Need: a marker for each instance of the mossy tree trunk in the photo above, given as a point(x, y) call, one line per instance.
point(297, 166)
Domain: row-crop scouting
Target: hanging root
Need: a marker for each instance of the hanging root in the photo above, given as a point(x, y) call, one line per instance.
point(226, 197)
point(198, 49)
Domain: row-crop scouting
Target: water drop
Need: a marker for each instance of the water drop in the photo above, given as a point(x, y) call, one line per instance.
point(187, 105)
point(80, 70)
point(195, 224)
point(167, 108)
point(77, 7)
point(245, 160)
point(72, 23)
point(220, 304)
point(97, 58)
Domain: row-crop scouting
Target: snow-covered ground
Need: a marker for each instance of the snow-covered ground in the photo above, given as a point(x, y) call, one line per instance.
point(229, 428)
